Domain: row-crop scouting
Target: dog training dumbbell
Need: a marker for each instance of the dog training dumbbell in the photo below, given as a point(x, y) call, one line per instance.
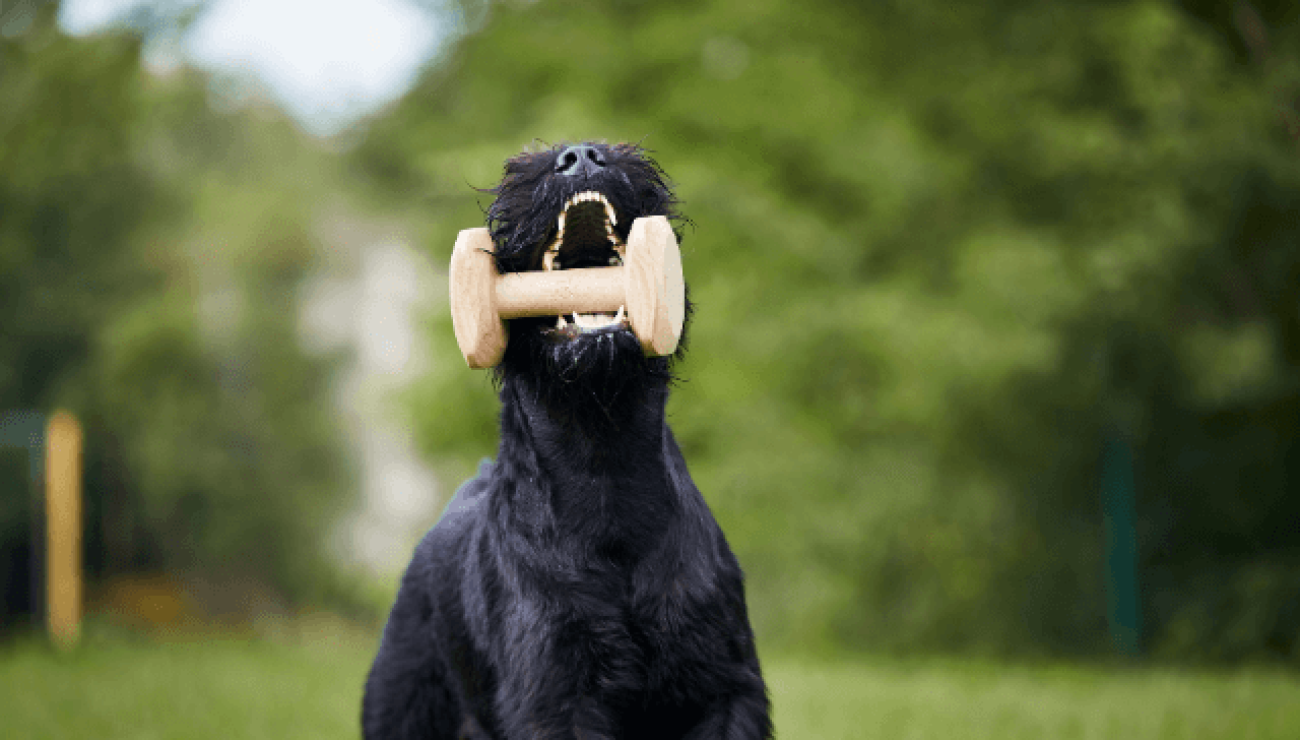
point(648, 284)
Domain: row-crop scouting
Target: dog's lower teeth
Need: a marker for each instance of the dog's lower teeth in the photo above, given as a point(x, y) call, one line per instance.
point(584, 322)
point(592, 320)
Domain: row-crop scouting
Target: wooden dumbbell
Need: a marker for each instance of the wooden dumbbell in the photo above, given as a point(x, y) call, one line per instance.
point(649, 284)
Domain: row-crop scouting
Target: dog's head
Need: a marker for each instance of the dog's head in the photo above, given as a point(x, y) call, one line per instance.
point(568, 207)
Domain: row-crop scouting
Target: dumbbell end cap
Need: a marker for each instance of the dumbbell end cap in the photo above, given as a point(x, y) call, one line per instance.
point(655, 288)
point(471, 278)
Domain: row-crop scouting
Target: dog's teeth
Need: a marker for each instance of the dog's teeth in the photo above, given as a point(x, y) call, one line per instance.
point(611, 219)
point(589, 321)
point(560, 323)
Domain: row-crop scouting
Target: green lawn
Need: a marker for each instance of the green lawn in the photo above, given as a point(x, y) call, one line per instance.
point(310, 687)
point(982, 700)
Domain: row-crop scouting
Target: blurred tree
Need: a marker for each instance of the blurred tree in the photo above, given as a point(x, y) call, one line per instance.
point(943, 252)
point(151, 251)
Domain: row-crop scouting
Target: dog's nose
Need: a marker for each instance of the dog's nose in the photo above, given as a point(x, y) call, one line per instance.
point(580, 160)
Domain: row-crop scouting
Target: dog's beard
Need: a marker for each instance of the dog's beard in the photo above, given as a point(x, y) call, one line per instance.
point(593, 380)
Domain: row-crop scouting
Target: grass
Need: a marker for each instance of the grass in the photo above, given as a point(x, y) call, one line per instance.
point(309, 686)
point(983, 700)
point(187, 689)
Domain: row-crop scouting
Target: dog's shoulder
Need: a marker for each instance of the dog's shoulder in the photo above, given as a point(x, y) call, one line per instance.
point(688, 493)
point(459, 516)
point(470, 496)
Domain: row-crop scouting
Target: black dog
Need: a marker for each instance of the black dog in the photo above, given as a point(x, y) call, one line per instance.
point(579, 586)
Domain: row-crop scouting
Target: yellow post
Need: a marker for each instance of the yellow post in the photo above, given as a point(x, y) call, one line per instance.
point(63, 533)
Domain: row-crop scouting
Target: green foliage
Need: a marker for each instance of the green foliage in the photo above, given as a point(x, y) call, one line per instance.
point(151, 252)
point(940, 252)
point(71, 194)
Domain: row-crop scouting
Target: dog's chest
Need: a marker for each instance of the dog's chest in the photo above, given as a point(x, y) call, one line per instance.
point(653, 641)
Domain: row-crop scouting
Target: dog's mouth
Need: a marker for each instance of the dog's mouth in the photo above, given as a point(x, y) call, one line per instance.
point(586, 235)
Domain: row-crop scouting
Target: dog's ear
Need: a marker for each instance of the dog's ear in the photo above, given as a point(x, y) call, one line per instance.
point(524, 171)
point(530, 164)
point(511, 217)
point(652, 191)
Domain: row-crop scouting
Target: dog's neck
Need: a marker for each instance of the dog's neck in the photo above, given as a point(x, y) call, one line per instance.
point(602, 485)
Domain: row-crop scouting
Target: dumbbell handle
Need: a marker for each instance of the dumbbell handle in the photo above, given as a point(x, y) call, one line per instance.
point(560, 292)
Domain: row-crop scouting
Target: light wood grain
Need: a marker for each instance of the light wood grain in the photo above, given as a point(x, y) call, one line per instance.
point(472, 277)
point(63, 585)
point(656, 293)
point(584, 290)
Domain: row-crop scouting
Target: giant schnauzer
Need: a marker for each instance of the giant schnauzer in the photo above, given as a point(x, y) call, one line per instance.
point(578, 587)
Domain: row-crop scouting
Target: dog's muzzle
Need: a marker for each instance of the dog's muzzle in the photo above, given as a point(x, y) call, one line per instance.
point(585, 236)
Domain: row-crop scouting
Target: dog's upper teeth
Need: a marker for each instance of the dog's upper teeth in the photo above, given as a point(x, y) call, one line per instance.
point(591, 196)
point(611, 219)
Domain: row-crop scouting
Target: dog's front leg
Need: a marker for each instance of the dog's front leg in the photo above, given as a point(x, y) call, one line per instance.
point(552, 710)
point(590, 722)
point(743, 717)
point(558, 719)
point(408, 693)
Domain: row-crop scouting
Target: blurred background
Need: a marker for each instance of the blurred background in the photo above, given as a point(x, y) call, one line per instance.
point(995, 364)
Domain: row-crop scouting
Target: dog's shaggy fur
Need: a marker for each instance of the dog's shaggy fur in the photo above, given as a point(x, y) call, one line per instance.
point(579, 586)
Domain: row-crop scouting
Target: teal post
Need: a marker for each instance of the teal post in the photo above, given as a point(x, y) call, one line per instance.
point(1119, 518)
point(26, 430)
